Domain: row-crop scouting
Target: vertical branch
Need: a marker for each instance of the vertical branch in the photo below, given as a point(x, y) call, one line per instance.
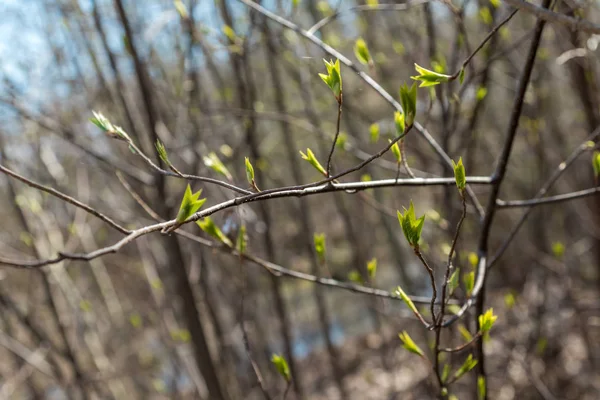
point(499, 174)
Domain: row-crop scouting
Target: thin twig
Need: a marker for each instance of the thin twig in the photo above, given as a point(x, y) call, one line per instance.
point(462, 346)
point(335, 137)
point(184, 176)
point(483, 42)
point(548, 200)
point(432, 279)
point(405, 161)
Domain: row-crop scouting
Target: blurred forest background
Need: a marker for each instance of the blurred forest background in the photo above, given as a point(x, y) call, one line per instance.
point(161, 318)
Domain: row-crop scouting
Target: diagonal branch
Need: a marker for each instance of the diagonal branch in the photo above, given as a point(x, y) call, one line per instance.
point(66, 198)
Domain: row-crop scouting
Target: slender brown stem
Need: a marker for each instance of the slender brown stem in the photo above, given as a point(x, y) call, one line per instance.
point(335, 138)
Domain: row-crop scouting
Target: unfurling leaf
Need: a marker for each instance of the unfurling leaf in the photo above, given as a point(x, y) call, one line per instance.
point(486, 320)
point(181, 9)
point(558, 249)
point(429, 78)
point(355, 276)
point(111, 130)
point(333, 78)
point(469, 282)
point(249, 172)
point(372, 267)
point(459, 174)
point(481, 93)
point(481, 387)
point(453, 281)
point(409, 303)
point(208, 226)
point(361, 51)
point(400, 123)
point(468, 365)
point(320, 246)
point(445, 372)
point(162, 152)
point(213, 162)
point(396, 151)
point(282, 366)
point(461, 76)
point(374, 132)
point(190, 204)
point(411, 226)
point(408, 100)
point(473, 259)
point(465, 333)
point(310, 157)
point(409, 344)
point(596, 163)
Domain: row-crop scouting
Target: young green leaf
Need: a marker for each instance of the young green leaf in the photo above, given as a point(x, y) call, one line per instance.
point(596, 163)
point(230, 33)
point(486, 15)
point(361, 51)
point(461, 76)
point(428, 77)
point(400, 293)
point(473, 259)
point(372, 267)
point(558, 249)
point(213, 162)
point(445, 372)
point(208, 226)
point(333, 78)
point(396, 151)
point(111, 130)
point(181, 9)
point(453, 281)
point(282, 366)
point(510, 300)
point(250, 174)
point(354, 276)
point(319, 239)
point(486, 320)
point(411, 226)
point(408, 100)
point(374, 132)
point(459, 174)
point(190, 204)
point(310, 157)
point(465, 333)
point(341, 140)
point(481, 387)
point(400, 122)
point(469, 282)
point(468, 365)
point(162, 152)
point(481, 93)
point(409, 344)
